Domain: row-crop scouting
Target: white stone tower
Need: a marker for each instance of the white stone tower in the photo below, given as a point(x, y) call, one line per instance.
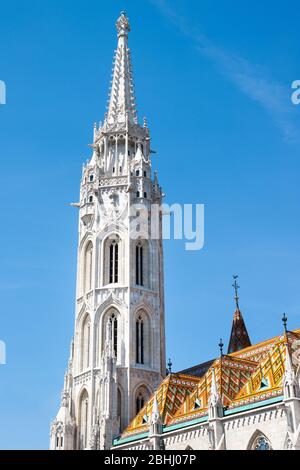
point(118, 352)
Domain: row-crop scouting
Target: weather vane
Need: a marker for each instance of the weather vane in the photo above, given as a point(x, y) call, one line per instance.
point(236, 287)
point(170, 366)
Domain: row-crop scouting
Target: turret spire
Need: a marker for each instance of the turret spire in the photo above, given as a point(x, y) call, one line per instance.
point(122, 100)
point(239, 338)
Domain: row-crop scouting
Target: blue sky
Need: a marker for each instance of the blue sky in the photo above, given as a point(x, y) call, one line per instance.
point(214, 81)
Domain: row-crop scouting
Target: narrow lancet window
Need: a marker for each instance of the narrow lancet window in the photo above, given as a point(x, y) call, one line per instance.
point(113, 262)
point(139, 265)
point(139, 340)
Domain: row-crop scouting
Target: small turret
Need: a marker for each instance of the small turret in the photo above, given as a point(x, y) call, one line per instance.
point(62, 427)
point(215, 409)
point(156, 426)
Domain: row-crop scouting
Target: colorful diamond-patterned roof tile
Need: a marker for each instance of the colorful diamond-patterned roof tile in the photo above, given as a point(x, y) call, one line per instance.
point(257, 352)
point(247, 376)
point(231, 374)
point(170, 396)
point(266, 381)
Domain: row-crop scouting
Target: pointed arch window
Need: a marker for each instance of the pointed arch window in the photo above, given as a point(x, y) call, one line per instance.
point(114, 262)
point(261, 443)
point(114, 332)
point(140, 402)
point(88, 265)
point(59, 441)
point(139, 265)
point(140, 340)
point(83, 421)
point(85, 343)
point(289, 444)
point(119, 409)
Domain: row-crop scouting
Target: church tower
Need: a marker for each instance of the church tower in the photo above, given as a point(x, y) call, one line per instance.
point(117, 356)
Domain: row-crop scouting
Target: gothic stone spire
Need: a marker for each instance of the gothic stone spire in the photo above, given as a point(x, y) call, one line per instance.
point(122, 99)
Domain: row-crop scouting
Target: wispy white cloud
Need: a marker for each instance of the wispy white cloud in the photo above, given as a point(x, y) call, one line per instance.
point(253, 80)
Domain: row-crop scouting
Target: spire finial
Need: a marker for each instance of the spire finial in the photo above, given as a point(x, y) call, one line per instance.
point(170, 366)
point(284, 321)
point(221, 346)
point(236, 287)
point(122, 24)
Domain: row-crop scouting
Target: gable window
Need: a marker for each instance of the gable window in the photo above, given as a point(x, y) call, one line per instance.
point(197, 404)
point(264, 383)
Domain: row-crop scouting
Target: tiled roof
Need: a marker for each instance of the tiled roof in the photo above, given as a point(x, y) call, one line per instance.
point(170, 395)
point(231, 374)
point(245, 377)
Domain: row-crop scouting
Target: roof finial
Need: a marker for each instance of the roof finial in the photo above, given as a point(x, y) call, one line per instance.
point(284, 321)
point(170, 366)
point(221, 346)
point(122, 24)
point(236, 287)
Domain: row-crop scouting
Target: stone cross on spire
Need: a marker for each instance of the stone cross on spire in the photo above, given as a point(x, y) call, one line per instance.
point(236, 287)
point(122, 100)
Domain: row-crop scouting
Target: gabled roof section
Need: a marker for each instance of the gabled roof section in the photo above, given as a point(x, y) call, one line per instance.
point(230, 373)
point(266, 381)
point(170, 395)
point(257, 352)
point(239, 338)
